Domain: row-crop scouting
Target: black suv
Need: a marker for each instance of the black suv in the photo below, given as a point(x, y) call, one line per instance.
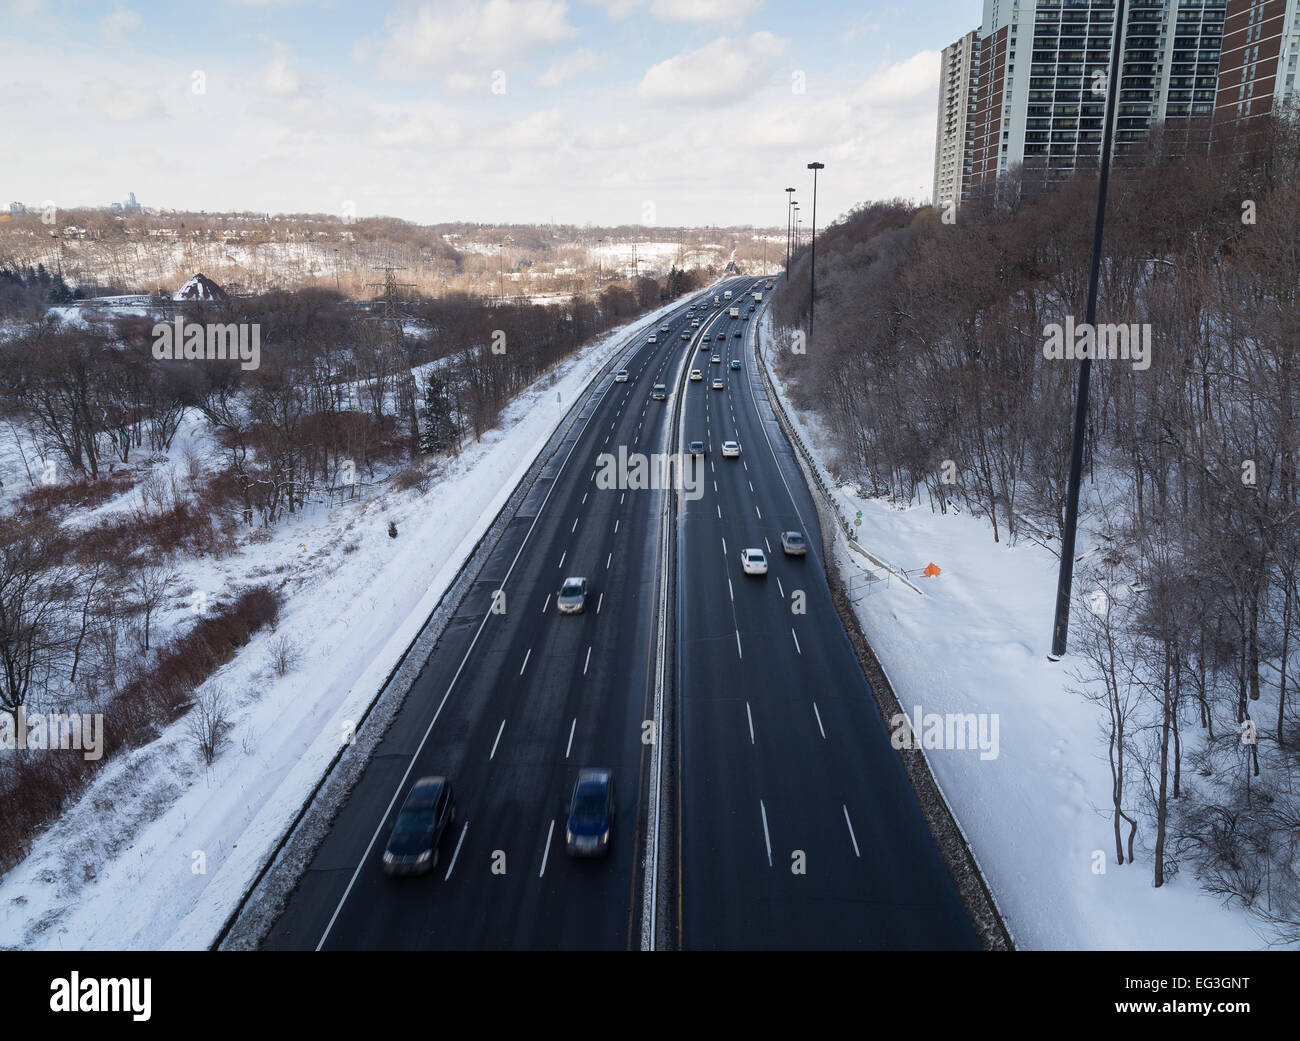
point(413, 846)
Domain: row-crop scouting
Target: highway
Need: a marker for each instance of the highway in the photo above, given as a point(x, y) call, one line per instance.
point(783, 759)
point(797, 825)
point(509, 707)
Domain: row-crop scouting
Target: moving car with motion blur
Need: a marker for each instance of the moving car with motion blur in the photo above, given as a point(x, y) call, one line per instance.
point(413, 844)
point(591, 813)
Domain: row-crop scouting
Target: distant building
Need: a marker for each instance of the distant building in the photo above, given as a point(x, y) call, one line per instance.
point(15, 208)
point(1191, 65)
point(130, 206)
point(200, 287)
point(954, 142)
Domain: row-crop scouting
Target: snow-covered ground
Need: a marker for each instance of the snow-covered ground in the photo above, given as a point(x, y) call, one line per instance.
point(975, 640)
point(159, 849)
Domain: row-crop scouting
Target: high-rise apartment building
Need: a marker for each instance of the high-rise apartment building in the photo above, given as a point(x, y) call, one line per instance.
point(1038, 80)
point(952, 150)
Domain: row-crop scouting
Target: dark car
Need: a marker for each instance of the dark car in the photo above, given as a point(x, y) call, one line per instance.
point(413, 845)
point(697, 448)
point(591, 813)
point(736, 334)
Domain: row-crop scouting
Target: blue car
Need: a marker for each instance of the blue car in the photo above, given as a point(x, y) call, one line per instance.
point(591, 813)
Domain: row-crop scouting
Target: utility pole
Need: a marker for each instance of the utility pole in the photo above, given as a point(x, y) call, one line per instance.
point(789, 201)
point(1065, 580)
point(812, 279)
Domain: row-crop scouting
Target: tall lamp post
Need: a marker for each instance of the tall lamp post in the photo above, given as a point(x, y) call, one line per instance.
point(789, 203)
point(1061, 625)
point(812, 280)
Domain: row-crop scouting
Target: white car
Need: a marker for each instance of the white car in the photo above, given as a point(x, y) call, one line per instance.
point(753, 561)
point(695, 324)
point(652, 339)
point(716, 360)
point(730, 450)
point(663, 328)
point(621, 376)
point(717, 384)
point(696, 375)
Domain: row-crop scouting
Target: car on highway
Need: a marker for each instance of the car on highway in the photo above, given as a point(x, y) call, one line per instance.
point(572, 597)
point(792, 543)
point(652, 339)
point(686, 336)
point(429, 809)
point(736, 334)
point(591, 813)
point(697, 448)
point(695, 323)
point(696, 375)
point(730, 450)
point(716, 359)
point(735, 363)
point(660, 393)
point(622, 376)
point(753, 562)
point(717, 384)
point(663, 328)
point(705, 339)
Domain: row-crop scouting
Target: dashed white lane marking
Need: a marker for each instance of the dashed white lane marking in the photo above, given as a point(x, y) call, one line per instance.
point(599, 602)
point(547, 852)
point(562, 556)
point(854, 838)
point(819, 721)
point(796, 641)
point(588, 661)
point(493, 753)
point(780, 588)
point(456, 852)
point(547, 604)
point(738, 650)
point(572, 727)
point(750, 716)
point(767, 544)
point(760, 517)
point(616, 526)
point(767, 838)
point(575, 526)
point(525, 664)
point(730, 590)
point(608, 559)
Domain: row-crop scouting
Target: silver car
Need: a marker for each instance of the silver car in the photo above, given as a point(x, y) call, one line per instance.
point(572, 597)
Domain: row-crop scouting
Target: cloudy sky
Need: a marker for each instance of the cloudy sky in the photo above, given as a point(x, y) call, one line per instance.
point(603, 111)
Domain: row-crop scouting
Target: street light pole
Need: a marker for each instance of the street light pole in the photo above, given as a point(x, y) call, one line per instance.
point(812, 280)
point(1061, 625)
point(789, 202)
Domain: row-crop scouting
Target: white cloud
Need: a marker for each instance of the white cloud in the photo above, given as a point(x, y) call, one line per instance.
point(564, 69)
point(434, 38)
point(280, 77)
point(121, 104)
point(725, 70)
point(116, 25)
point(702, 10)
